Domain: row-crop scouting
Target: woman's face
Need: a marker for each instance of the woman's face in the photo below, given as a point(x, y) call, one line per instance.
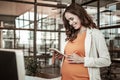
point(73, 20)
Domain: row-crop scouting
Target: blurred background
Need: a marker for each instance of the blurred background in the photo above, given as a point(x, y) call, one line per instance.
point(36, 25)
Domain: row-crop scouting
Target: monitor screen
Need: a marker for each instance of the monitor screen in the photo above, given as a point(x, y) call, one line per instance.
point(12, 65)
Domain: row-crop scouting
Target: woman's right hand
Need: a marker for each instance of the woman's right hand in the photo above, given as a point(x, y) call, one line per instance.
point(57, 55)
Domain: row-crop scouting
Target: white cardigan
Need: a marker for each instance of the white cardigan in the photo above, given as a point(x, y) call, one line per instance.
point(96, 53)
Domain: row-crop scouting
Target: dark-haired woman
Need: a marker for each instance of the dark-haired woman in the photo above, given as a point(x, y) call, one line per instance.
point(86, 49)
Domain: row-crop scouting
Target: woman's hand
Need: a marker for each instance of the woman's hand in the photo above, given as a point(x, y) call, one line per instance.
point(57, 55)
point(75, 58)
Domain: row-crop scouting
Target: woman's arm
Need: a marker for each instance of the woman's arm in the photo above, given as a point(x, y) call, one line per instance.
point(99, 48)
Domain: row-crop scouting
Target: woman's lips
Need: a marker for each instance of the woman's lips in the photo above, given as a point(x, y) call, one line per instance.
point(74, 25)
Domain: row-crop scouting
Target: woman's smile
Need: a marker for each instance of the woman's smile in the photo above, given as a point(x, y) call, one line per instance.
point(73, 20)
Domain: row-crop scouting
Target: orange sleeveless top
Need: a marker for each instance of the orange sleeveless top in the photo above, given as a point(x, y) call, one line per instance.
point(75, 71)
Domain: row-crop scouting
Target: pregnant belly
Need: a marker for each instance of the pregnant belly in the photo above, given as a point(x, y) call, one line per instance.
point(71, 70)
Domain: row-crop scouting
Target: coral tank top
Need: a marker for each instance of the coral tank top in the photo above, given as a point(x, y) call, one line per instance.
point(75, 71)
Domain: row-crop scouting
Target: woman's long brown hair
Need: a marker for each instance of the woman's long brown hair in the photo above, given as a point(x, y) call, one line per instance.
point(85, 19)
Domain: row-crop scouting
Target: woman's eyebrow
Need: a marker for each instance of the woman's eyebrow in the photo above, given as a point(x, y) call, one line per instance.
point(70, 18)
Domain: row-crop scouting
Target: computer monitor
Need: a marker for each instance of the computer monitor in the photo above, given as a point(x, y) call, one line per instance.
point(12, 65)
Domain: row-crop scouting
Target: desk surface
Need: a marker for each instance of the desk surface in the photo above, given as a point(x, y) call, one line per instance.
point(116, 60)
point(38, 78)
point(114, 49)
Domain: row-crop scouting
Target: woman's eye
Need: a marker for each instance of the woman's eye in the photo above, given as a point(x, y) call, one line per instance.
point(71, 18)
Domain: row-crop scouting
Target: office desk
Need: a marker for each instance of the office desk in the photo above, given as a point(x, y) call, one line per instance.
point(38, 78)
point(116, 60)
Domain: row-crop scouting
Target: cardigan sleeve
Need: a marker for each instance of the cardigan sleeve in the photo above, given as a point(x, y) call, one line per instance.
point(103, 58)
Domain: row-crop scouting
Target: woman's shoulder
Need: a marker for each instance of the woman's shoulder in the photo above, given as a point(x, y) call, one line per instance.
point(96, 32)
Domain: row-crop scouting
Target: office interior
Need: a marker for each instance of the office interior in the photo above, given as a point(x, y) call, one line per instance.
point(34, 26)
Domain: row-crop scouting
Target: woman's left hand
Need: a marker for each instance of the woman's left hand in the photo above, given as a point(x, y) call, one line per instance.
point(75, 58)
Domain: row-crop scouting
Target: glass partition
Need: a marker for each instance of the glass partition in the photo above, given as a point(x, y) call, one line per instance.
point(19, 29)
point(8, 39)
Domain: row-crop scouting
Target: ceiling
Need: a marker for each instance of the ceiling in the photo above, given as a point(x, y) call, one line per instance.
point(18, 7)
point(12, 7)
point(102, 3)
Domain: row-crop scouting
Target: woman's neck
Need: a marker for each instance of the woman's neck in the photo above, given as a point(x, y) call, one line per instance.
point(83, 29)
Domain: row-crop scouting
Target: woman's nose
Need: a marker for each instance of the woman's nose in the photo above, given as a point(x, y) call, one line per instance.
point(70, 22)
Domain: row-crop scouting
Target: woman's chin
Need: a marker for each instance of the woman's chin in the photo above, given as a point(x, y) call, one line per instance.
point(76, 28)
